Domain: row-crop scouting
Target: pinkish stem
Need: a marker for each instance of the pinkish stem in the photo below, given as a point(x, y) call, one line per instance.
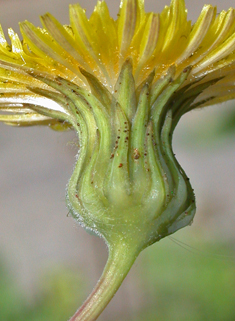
point(121, 258)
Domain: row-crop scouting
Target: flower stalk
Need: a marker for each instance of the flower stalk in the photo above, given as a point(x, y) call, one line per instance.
point(120, 260)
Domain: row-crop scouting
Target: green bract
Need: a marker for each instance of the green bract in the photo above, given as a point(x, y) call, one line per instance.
point(127, 183)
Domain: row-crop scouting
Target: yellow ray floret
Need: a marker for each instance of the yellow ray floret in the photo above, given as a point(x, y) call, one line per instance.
point(100, 45)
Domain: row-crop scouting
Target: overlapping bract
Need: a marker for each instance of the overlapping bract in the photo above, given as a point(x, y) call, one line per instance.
point(100, 45)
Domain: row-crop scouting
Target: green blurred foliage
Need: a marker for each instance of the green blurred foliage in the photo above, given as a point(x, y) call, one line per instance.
point(227, 123)
point(59, 294)
point(11, 303)
point(183, 286)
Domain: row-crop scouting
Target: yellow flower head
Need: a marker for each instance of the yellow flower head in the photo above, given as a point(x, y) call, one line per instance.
point(100, 45)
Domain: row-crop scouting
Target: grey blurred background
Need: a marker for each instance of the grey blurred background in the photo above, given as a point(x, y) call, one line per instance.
point(36, 163)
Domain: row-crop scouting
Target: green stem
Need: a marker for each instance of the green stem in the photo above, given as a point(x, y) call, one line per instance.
point(120, 260)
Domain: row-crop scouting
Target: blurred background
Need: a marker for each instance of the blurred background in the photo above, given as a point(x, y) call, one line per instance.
point(48, 264)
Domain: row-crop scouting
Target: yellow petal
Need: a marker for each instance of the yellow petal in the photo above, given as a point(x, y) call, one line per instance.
point(176, 22)
point(217, 54)
point(222, 28)
point(3, 42)
point(198, 32)
point(150, 37)
point(63, 39)
point(85, 36)
point(42, 44)
point(105, 31)
point(126, 25)
point(15, 42)
point(25, 119)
